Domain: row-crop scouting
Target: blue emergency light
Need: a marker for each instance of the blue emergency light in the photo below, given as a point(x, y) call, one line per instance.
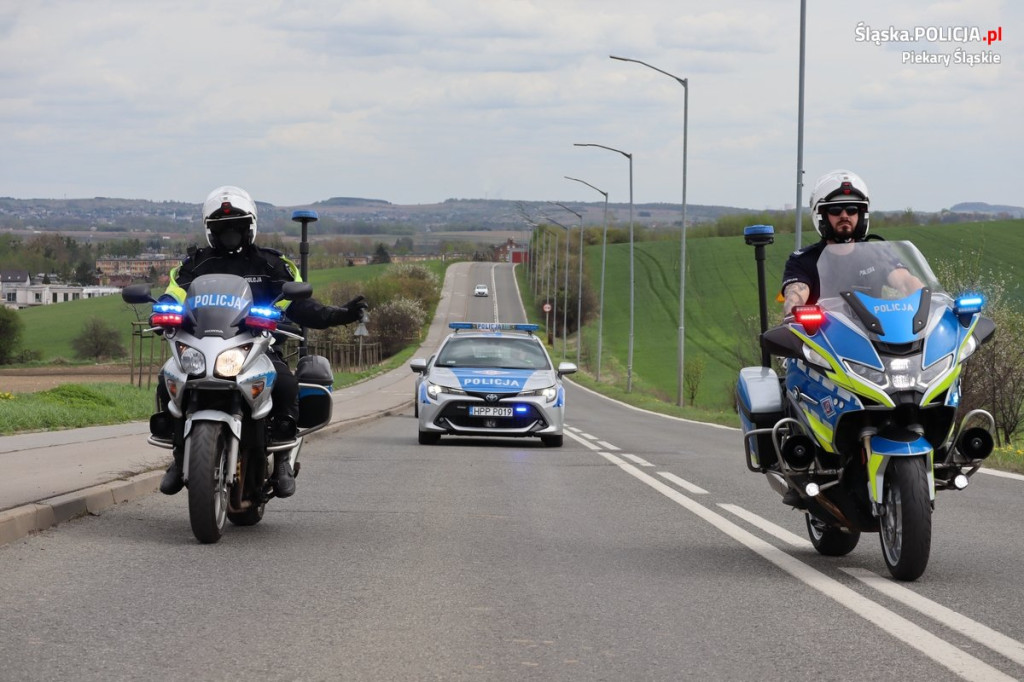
point(494, 326)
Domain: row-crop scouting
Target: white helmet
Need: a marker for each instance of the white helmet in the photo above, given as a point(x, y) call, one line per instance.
point(229, 216)
point(839, 187)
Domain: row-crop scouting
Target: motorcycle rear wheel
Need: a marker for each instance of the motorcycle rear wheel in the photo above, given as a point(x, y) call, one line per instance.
point(906, 528)
point(207, 481)
point(829, 540)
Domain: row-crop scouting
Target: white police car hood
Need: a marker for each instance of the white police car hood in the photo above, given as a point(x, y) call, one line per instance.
point(492, 380)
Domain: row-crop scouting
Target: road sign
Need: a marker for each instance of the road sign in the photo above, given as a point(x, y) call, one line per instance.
point(547, 307)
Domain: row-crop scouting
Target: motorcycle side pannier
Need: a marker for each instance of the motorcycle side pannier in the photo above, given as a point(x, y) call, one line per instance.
point(759, 403)
point(316, 379)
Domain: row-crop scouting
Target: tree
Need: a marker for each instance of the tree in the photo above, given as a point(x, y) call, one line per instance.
point(381, 255)
point(10, 331)
point(99, 340)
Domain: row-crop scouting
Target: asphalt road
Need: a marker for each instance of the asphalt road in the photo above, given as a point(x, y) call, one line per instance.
point(642, 549)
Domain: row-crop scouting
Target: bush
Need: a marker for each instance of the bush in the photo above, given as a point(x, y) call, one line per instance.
point(99, 340)
point(10, 332)
point(396, 323)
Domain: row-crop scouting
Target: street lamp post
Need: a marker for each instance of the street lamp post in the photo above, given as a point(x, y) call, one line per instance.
point(604, 247)
point(682, 236)
point(579, 285)
point(629, 349)
point(565, 296)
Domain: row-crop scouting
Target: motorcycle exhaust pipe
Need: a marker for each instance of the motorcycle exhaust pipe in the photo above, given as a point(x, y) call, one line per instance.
point(798, 451)
point(975, 443)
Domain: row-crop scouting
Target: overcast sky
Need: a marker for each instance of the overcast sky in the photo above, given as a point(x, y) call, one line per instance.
point(417, 101)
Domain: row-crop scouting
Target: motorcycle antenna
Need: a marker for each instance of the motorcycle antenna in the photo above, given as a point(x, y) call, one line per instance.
point(304, 217)
point(760, 236)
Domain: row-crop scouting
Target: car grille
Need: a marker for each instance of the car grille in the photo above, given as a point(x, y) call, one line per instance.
point(458, 414)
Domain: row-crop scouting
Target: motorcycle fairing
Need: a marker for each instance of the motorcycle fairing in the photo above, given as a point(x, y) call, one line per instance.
point(217, 305)
point(896, 317)
point(883, 449)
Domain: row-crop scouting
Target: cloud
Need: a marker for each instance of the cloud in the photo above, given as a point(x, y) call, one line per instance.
point(415, 101)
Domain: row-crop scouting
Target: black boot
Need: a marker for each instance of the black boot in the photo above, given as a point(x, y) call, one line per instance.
point(172, 481)
point(284, 481)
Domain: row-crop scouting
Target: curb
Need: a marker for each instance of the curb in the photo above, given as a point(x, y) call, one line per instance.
point(21, 521)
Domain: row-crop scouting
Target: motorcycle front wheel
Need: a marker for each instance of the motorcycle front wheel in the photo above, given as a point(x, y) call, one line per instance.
point(906, 528)
point(829, 540)
point(208, 480)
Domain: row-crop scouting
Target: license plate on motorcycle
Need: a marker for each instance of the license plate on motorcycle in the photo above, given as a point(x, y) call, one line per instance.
point(488, 411)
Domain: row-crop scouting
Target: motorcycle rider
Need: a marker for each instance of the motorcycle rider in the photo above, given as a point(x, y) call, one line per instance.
point(230, 222)
point(839, 206)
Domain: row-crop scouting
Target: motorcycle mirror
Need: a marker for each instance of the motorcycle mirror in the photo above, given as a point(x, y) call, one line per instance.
point(296, 291)
point(137, 293)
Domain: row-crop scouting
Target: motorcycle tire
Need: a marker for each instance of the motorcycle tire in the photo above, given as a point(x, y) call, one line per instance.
point(249, 517)
point(207, 481)
point(829, 540)
point(906, 528)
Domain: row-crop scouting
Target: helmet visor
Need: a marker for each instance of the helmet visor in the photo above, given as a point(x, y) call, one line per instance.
point(229, 233)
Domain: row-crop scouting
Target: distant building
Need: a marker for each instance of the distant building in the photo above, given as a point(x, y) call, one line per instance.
point(18, 291)
point(509, 252)
point(122, 268)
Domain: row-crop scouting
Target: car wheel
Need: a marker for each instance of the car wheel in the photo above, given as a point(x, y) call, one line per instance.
point(428, 438)
point(551, 441)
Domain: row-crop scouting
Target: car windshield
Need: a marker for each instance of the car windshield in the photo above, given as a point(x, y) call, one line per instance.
point(867, 267)
point(500, 352)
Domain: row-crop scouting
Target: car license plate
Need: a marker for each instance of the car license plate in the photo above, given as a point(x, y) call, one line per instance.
point(488, 411)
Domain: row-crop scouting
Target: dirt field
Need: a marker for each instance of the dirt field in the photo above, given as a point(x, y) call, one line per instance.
point(42, 378)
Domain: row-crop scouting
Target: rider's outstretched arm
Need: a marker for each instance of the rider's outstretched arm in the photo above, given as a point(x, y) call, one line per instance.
point(795, 293)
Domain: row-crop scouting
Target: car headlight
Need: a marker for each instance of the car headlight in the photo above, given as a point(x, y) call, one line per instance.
point(192, 361)
point(434, 390)
point(549, 394)
point(229, 363)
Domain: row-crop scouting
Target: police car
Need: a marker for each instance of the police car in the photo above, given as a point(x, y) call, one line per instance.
point(491, 379)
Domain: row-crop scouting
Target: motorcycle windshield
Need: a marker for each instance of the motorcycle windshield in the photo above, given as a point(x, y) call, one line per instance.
point(217, 304)
point(876, 269)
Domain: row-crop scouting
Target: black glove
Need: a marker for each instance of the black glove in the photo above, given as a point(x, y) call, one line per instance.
point(350, 312)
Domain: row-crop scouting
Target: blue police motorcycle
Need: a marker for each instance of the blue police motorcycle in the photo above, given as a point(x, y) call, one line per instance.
point(863, 426)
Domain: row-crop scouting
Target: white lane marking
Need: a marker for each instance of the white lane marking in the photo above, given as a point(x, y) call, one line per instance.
point(683, 483)
point(959, 662)
point(587, 435)
point(994, 640)
point(1001, 474)
point(655, 414)
point(607, 446)
point(494, 293)
point(638, 460)
point(573, 429)
point(585, 443)
point(767, 526)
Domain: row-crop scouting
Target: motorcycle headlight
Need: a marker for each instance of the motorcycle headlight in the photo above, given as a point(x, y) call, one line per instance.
point(229, 363)
point(936, 370)
point(969, 348)
point(192, 361)
point(869, 373)
point(814, 357)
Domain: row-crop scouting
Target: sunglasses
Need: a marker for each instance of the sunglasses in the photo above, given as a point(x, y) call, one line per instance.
point(838, 210)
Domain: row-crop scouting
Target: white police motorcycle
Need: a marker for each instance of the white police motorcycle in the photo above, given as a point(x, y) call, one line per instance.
point(219, 380)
